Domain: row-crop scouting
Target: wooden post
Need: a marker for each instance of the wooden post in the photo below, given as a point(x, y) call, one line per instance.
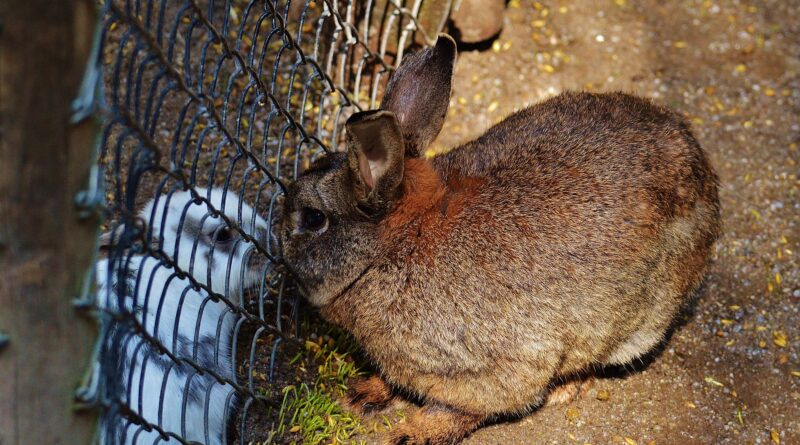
point(45, 247)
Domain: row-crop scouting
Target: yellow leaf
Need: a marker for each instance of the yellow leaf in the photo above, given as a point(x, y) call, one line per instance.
point(796, 373)
point(777, 278)
point(712, 381)
point(775, 436)
point(690, 405)
point(779, 338)
point(630, 441)
point(295, 429)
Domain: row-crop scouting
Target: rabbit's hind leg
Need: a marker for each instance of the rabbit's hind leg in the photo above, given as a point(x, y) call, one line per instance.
point(435, 424)
point(569, 391)
point(368, 394)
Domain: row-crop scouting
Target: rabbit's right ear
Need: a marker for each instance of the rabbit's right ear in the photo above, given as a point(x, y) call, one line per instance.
point(418, 93)
point(375, 156)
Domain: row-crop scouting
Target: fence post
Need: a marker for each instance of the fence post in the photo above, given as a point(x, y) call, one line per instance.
point(45, 247)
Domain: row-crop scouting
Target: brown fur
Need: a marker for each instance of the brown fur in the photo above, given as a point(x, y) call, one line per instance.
point(566, 237)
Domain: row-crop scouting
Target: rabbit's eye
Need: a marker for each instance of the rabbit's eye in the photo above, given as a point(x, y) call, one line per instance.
point(223, 235)
point(312, 219)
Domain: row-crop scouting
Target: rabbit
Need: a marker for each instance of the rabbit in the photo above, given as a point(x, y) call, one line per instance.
point(185, 320)
point(567, 237)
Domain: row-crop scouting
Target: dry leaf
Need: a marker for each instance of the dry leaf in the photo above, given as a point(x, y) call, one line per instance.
point(779, 338)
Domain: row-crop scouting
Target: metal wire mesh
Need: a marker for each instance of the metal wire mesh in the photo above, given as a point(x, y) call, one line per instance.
point(210, 106)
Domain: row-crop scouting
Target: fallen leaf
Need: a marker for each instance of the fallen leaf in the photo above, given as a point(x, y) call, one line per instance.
point(712, 381)
point(779, 338)
point(775, 436)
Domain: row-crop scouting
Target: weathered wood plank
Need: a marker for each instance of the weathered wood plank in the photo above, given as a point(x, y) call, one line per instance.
point(44, 246)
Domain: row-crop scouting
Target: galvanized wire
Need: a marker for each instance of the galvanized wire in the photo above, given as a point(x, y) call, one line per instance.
point(210, 108)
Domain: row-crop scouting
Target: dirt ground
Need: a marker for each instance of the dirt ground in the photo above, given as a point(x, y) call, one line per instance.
point(731, 374)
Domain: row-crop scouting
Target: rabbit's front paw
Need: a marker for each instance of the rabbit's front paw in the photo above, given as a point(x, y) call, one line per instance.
point(367, 395)
point(434, 425)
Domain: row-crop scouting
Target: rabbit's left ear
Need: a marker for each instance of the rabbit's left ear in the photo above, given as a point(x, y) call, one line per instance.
point(418, 94)
point(111, 237)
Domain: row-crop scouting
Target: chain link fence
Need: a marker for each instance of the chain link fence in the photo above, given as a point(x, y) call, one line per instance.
point(210, 107)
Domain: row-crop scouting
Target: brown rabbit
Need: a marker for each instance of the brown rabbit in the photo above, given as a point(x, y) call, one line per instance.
point(565, 238)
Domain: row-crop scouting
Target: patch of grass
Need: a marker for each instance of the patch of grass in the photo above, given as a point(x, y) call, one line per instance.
point(311, 412)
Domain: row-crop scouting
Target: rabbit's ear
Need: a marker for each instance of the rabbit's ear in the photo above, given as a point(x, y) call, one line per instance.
point(418, 93)
point(108, 239)
point(375, 154)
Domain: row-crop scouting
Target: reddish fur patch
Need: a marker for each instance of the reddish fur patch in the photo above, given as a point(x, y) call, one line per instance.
point(422, 190)
point(428, 204)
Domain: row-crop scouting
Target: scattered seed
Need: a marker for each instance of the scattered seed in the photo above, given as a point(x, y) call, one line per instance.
point(572, 413)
